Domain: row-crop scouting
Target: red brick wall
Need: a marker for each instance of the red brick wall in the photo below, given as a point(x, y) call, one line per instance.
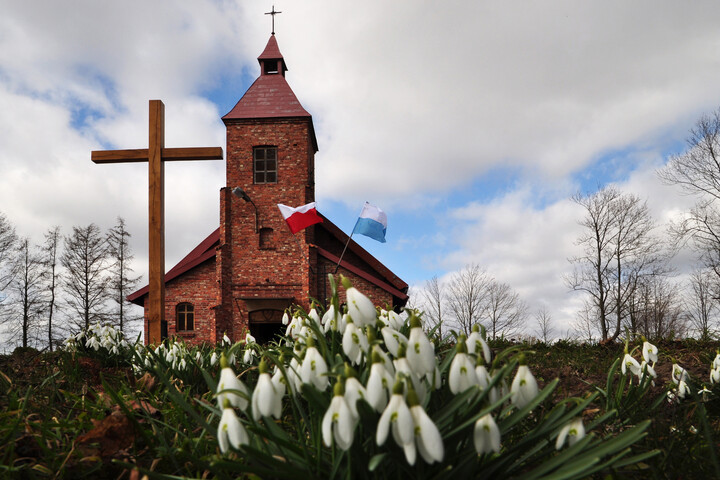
point(282, 270)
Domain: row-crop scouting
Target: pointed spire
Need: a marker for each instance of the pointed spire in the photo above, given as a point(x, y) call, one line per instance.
point(271, 60)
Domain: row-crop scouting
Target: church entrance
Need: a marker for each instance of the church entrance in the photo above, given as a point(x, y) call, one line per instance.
point(266, 325)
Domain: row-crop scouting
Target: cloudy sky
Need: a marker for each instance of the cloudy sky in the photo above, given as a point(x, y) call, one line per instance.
point(471, 123)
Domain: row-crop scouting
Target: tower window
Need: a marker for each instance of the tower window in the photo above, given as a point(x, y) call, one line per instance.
point(265, 164)
point(185, 315)
point(266, 235)
point(271, 66)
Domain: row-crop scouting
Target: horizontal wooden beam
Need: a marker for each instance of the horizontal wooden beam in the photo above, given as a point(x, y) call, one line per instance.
point(168, 154)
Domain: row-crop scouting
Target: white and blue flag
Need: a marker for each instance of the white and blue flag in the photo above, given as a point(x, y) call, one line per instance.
point(372, 223)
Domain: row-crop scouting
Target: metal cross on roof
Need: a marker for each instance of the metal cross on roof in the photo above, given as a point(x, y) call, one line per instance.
point(273, 13)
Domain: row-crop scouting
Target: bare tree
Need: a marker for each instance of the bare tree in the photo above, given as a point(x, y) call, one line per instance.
point(434, 301)
point(85, 281)
point(504, 311)
point(657, 311)
point(619, 249)
point(27, 288)
point(701, 305)
point(51, 276)
point(697, 172)
point(543, 324)
point(122, 281)
point(467, 296)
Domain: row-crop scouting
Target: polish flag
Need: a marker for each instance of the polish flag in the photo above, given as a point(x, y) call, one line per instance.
point(300, 217)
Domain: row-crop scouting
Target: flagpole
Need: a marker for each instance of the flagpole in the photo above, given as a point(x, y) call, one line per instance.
point(337, 267)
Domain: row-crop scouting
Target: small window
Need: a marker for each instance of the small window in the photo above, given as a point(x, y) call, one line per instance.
point(266, 235)
point(185, 313)
point(265, 164)
point(271, 66)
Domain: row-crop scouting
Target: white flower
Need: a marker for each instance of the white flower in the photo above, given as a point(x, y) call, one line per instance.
point(226, 340)
point(398, 418)
point(402, 367)
point(379, 386)
point(213, 359)
point(649, 352)
point(313, 369)
point(248, 355)
point(395, 320)
point(524, 387)
point(682, 389)
point(715, 375)
point(427, 436)
point(338, 423)
point(285, 318)
point(231, 388)
point(266, 399)
point(315, 317)
point(331, 319)
point(486, 435)
point(574, 431)
point(476, 345)
point(231, 431)
point(679, 374)
point(360, 308)
point(630, 363)
point(462, 373)
point(420, 352)
point(393, 339)
point(354, 342)
point(354, 391)
point(716, 361)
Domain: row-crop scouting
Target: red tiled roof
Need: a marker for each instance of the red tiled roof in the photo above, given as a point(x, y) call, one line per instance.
point(269, 97)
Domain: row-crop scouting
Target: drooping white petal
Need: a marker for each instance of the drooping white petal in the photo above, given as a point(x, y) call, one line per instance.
point(398, 419)
point(393, 339)
point(462, 373)
point(477, 345)
point(232, 389)
point(338, 424)
point(354, 391)
point(360, 308)
point(420, 352)
point(379, 387)
point(231, 431)
point(524, 387)
point(486, 435)
point(573, 431)
point(264, 401)
point(649, 352)
point(629, 363)
point(427, 436)
point(314, 369)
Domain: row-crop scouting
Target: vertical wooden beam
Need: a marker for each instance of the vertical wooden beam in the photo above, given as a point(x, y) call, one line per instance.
point(156, 174)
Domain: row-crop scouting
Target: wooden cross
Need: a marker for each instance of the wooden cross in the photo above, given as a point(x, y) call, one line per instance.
point(273, 13)
point(156, 155)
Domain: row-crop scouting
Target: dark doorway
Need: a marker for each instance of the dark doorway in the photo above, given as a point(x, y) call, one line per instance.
point(266, 325)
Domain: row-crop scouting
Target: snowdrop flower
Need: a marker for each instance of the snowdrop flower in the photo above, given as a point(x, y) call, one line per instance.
point(396, 417)
point(330, 320)
point(704, 393)
point(230, 431)
point(484, 379)
point(315, 317)
point(354, 391)
point(715, 376)
point(646, 368)
point(486, 435)
point(427, 436)
point(462, 369)
point(682, 389)
point(392, 319)
point(266, 400)
point(630, 363)
point(285, 318)
point(573, 431)
point(420, 352)
point(293, 374)
point(230, 388)
point(313, 369)
point(649, 352)
point(354, 342)
point(379, 384)
point(716, 361)
point(338, 422)
point(226, 340)
point(213, 359)
point(476, 344)
point(393, 339)
point(679, 374)
point(360, 307)
point(403, 369)
point(524, 387)
point(93, 343)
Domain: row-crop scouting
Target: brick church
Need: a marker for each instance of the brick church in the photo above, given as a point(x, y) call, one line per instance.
point(247, 272)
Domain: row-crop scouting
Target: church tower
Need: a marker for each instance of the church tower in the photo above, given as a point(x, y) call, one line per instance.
point(262, 268)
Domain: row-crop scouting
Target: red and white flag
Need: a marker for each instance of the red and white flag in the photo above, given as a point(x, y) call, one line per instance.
point(300, 217)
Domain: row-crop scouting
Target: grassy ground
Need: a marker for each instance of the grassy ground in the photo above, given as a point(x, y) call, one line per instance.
point(60, 416)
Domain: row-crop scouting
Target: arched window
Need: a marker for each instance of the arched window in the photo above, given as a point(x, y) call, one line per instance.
point(185, 315)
